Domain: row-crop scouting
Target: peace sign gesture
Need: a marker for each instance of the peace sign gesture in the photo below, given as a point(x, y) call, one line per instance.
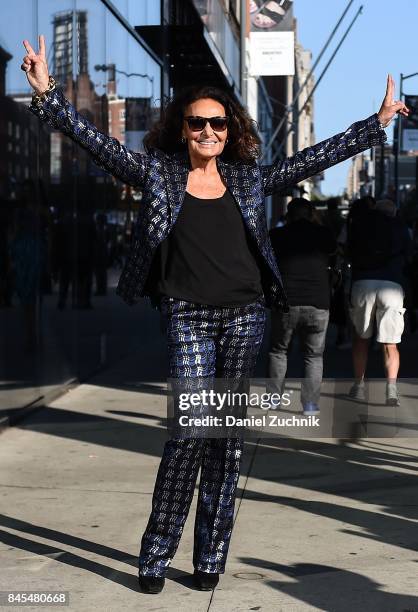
point(35, 66)
point(389, 106)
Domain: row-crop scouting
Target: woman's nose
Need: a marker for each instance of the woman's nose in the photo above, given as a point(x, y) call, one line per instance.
point(207, 130)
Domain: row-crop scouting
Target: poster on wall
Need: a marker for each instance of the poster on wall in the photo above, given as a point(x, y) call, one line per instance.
point(272, 39)
point(410, 125)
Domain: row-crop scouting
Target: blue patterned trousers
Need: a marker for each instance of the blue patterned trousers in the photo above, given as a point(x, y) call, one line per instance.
point(203, 341)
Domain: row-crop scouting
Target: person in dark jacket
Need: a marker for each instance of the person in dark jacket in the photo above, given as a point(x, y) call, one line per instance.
point(213, 272)
point(302, 248)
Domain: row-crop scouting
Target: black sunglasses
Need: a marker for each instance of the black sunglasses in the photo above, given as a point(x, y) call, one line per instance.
point(197, 124)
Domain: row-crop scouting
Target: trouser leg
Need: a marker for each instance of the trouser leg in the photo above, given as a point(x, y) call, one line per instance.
point(312, 330)
point(173, 493)
point(237, 348)
point(191, 353)
point(221, 463)
point(282, 329)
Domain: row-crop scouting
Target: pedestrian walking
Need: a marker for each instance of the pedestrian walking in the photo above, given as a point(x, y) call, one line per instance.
point(340, 295)
point(302, 248)
point(379, 246)
point(333, 219)
point(201, 250)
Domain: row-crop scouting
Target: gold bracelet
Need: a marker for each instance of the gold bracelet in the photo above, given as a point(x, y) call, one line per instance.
point(38, 99)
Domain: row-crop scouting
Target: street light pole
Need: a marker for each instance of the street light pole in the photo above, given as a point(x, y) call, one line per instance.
point(398, 145)
point(399, 131)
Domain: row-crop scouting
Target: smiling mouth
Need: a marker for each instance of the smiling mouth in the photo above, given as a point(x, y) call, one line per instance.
point(207, 143)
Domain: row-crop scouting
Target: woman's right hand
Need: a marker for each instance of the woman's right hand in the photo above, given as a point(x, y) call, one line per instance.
point(35, 66)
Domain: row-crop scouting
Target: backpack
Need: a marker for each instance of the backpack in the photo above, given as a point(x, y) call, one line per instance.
point(370, 242)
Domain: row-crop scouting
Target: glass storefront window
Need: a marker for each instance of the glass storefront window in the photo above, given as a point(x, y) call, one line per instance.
point(139, 13)
point(64, 222)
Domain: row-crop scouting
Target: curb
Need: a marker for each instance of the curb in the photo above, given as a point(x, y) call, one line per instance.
point(19, 414)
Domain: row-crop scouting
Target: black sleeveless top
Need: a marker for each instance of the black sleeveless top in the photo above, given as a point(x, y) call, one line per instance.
point(208, 257)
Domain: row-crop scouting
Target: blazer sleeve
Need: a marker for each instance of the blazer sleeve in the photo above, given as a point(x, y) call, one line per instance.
point(359, 137)
point(107, 152)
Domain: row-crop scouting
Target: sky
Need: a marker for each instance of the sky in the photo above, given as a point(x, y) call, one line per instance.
point(383, 40)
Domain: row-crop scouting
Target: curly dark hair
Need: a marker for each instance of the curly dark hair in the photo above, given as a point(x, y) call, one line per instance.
point(243, 141)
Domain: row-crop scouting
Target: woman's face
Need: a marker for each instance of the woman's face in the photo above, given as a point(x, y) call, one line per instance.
point(206, 142)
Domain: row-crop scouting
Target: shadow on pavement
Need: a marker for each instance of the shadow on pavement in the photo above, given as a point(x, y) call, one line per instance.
point(334, 589)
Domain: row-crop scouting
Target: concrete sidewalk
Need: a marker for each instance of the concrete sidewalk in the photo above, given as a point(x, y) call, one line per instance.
point(319, 525)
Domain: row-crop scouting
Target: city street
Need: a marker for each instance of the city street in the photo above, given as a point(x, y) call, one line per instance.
point(216, 156)
point(320, 524)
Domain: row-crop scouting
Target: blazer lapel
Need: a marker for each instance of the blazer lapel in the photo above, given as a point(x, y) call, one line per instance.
point(246, 191)
point(176, 170)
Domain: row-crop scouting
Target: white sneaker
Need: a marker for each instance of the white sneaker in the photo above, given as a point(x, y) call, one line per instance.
point(357, 392)
point(392, 397)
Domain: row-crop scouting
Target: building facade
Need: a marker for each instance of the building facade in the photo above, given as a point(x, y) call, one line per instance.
point(374, 173)
point(361, 177)
point(65, 224)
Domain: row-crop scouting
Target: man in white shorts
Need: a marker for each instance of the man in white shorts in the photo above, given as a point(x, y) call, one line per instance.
point(379, 247)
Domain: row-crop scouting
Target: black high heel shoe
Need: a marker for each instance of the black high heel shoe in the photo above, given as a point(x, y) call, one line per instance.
point(151, 584)
point(205, 581)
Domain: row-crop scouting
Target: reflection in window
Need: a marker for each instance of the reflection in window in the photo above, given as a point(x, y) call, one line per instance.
point(57, 208)
point(70, 36)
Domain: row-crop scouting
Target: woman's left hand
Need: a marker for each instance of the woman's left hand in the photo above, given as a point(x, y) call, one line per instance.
point(390, 107)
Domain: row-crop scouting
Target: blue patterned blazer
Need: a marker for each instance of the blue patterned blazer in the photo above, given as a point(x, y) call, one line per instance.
point(163, 177)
